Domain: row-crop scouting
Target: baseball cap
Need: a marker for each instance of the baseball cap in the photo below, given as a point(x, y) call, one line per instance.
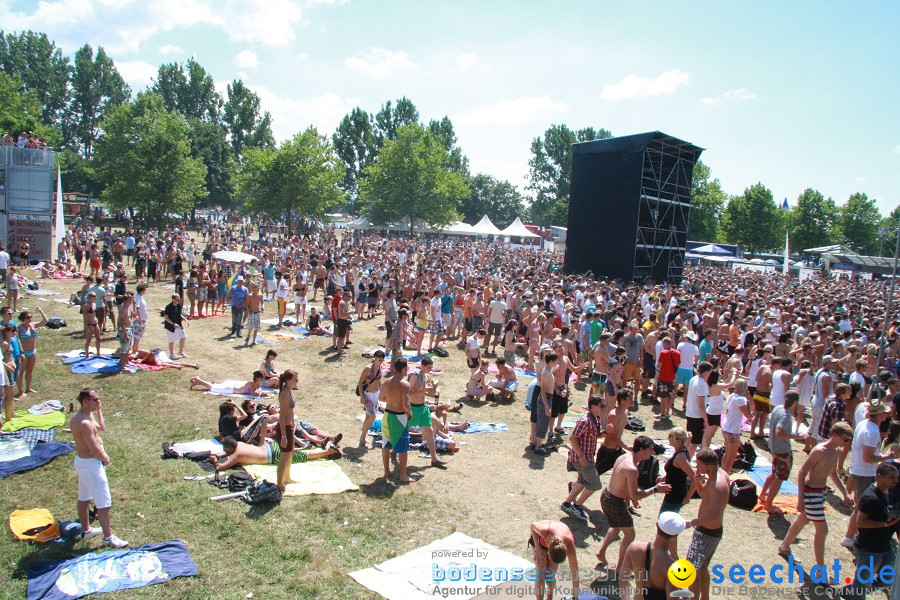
point(828, 358)
point(670, 523)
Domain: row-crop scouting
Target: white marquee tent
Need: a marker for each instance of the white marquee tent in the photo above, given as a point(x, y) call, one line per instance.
point(517, 229)
point(485, 227)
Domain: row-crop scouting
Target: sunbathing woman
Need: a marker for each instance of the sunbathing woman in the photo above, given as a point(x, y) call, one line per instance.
point(268, 369)
point(476, 388)
point(159, 358)
point(251, 388)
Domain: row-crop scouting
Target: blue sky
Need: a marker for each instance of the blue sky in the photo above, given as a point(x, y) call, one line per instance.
point(794, 95)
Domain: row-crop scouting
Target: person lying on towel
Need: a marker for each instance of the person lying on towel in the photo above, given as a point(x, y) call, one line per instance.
point(239, 453)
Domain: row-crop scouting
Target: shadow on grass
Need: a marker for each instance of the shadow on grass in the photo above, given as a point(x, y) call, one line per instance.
point(51, 552)
point(778, 525)
point(258, 511)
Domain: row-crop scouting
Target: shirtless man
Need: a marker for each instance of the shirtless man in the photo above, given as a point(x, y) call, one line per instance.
point(544, 409)
point(561, 381)
point(622, 490)
point(239, 453)
point(615, 420)
point(818, 467)
point(421, 415)
point(600, 357)
point(397, 415)
point(319, 281)
point(648, 562)
point(90, 464)
point(714, 488)
point(506, 382)
point(649, 374)
point(761, 407)
point(255, 306)
point(126, 337)
point(341, 323)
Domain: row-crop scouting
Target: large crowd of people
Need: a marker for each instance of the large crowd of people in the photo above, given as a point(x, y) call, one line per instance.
point(805, 366)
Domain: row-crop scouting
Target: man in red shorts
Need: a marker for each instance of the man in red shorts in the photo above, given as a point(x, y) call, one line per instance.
point(669, 359)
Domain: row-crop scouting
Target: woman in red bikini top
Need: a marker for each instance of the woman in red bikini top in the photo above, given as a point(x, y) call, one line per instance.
point(552, 542)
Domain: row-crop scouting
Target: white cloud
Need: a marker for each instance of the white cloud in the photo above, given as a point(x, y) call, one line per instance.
point(246, 59)
point(512, 112)
point(138, 74)
point(466, 60)
point(633, 86)
point(170, 49)
point(379, 62)
point(730, 96)
point(124, 28)
point(291, 116)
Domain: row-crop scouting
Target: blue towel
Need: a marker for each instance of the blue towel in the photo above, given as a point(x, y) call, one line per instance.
point(759, 474)
point(41, 454)
point(109, 571)
point(485, 428)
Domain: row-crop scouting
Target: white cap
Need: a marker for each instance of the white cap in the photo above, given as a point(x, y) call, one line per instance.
point(671, 523)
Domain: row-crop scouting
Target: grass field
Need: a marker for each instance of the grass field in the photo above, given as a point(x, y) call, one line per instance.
point(304, 547)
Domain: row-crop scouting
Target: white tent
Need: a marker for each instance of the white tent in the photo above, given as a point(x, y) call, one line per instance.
point(360, 223)
point(458, 228)
point(517, 229)
point(485, 227)
point(711, 249)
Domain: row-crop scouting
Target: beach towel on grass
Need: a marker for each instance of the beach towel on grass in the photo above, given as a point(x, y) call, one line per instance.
point(487, 427)
point(412, 575)
point(212, 446)
point(40, 292)
point(30, 435)
point(304, 331)
point(314, 477)
point(74, 356)
point(758, 476)
point(102, 364)
point(25, 419)
point(41, 454)
point(100, 572)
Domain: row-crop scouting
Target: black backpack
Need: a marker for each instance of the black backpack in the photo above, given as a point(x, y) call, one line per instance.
point(235, 482)
point(648, 472)
point(56, 323)
point(262, 492)
point(746, 457)
point(441, 352)
point(743, 494)
point(635, 424)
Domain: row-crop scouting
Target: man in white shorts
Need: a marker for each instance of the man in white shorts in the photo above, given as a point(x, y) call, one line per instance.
point(90, 464)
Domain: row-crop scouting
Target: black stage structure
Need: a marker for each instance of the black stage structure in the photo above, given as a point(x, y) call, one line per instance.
point(629, 206)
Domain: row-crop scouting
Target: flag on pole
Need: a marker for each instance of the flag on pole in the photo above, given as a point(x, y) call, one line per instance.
point(787, 261)
point(784, 205)
point(60, 227)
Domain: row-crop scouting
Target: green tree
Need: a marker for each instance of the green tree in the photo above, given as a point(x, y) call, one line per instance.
point(355, 144)
point(144, 160)
point(208, 143)
point(188, 89)
point(43, 69)
point(812, 221)
point(301, 178)
point(550, 171)
point(20, 110)
point(245, 125)
point(754, 220)
point(891, 223)
point(443, 131)
point(390, 119)
point(97, 89)
point(77, 174)
point(499, 200)
point(411, 179)
point(707, 205)
point(859, 220)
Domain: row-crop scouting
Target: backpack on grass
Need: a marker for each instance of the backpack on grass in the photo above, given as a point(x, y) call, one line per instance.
point(262, 492)
point(743, 494)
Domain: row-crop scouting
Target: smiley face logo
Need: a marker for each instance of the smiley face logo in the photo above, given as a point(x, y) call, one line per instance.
point(682, 573)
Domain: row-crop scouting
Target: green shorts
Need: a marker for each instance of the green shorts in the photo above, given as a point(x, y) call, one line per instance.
point(421, 416)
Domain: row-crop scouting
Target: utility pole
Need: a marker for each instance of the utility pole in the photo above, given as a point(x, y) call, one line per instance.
point(887, 312)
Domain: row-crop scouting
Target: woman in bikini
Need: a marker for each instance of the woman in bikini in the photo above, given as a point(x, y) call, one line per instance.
point(476, 388)
point(552, 543)
point(8, 370)
point(300, 291)
point(268, 369)
point(284, 431)
point(91, 325)
point(28, 340)
point(250, 388)
point(368, 388)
